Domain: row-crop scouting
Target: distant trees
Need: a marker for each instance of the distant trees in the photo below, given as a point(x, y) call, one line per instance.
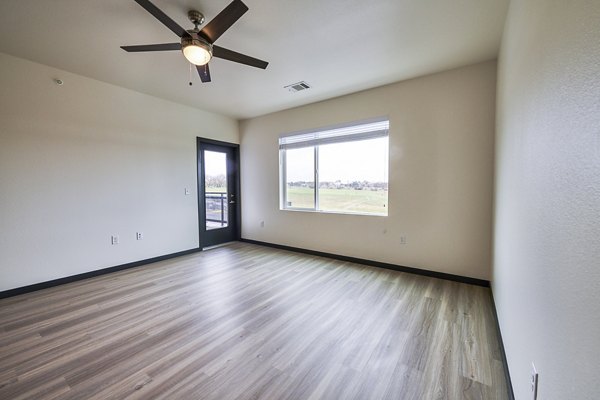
point(356, 185)
point(215, 181)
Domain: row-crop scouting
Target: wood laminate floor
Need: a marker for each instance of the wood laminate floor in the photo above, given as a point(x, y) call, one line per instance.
point(249, 322)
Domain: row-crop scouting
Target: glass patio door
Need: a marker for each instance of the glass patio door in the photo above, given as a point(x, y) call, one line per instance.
point(219, 185)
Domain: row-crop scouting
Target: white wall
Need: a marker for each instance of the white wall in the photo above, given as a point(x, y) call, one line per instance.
point(546, 275)
point(85, 160)
point(441, 170)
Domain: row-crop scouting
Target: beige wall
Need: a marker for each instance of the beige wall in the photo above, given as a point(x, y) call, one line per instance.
point(441, 168)
point(546, 275)
point(85, 160)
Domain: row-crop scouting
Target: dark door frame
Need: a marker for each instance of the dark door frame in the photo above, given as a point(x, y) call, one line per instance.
point(237, 229)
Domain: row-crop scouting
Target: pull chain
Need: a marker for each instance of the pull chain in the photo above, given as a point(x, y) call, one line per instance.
point(190, 74)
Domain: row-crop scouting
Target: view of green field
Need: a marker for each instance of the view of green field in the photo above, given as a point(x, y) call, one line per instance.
point(340, 200)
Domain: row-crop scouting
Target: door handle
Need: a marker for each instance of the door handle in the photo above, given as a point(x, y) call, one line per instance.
point(231, 202)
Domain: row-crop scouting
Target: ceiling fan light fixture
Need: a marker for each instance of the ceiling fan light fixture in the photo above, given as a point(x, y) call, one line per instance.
point(196, 50)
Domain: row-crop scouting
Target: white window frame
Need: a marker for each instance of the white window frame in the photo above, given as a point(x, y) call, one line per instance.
point(354, 131)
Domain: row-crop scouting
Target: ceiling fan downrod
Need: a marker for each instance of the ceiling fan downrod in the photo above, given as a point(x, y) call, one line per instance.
point(197, 18)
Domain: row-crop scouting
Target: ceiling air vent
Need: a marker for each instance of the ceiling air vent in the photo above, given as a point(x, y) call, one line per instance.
point(298, 86)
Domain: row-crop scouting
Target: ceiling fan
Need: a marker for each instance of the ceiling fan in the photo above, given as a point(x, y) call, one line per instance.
point(197, 45)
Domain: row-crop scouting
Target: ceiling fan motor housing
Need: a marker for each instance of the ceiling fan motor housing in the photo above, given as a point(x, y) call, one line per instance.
point(196, 17)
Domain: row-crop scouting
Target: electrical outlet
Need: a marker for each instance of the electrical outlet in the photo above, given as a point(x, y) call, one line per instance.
point(402, 239)
point(139, 235)
point(187, 191)
point(114, 239)
point(534, 381)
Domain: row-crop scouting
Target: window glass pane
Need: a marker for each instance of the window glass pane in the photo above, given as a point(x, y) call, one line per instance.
point(353, 176)
point(215, 189)
point(300, 177)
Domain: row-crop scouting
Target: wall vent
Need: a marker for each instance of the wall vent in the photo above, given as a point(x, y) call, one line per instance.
point(298, 86)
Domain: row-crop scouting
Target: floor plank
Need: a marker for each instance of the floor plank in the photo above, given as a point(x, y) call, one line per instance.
point(248, 322)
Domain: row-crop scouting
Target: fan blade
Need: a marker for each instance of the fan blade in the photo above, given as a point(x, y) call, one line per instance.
point(204, 72)
point(219, 24)
point(230, 55)
point(153, 47)
point(162, 17)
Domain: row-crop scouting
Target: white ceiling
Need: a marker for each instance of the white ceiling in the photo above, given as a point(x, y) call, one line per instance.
point(337, 46)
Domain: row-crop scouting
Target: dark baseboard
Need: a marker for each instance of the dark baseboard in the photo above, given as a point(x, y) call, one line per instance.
point(511, 394)
point(401, 268)
point(91, 274)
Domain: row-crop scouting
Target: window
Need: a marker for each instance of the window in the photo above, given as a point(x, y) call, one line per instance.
point(341, 169)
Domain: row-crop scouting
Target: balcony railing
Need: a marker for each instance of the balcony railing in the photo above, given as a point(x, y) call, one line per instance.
point(216, 209)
